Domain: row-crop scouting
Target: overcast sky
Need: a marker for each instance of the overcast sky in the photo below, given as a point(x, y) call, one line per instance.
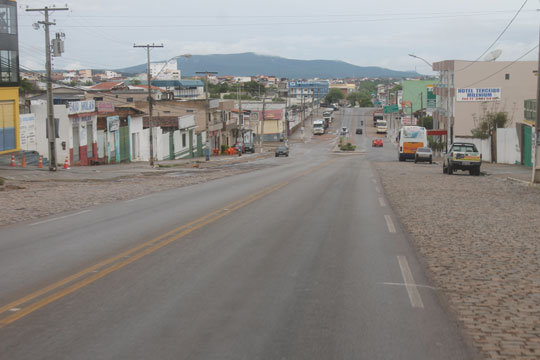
point(101, 33)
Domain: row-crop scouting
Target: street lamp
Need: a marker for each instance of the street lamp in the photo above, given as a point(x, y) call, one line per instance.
point(187, 56)
point(424, 60)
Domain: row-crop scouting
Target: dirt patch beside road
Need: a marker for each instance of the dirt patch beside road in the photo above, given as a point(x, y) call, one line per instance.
point(480, 240)
point(25, 200)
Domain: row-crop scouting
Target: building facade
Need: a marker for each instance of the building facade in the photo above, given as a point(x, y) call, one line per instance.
point(308, 89)
point(469, 90)
point(9, 77)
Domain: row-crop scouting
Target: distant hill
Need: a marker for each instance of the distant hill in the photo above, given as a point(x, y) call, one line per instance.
point(249, 64)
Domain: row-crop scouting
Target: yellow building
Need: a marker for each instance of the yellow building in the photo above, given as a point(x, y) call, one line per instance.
point(9, 77)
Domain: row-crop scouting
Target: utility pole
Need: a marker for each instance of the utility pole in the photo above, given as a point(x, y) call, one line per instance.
point(261, 136)
point(536, 138)
point(421, 108)
point(149, 80)
point(287, 113)
point(207, 107)
point(51, 126)
point(240, 113)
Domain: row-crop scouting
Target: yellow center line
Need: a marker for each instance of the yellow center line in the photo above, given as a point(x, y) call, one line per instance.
point(139, 251)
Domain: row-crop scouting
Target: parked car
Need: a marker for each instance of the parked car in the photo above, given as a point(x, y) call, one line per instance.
point(423, 154)
point(344, 131)
point(377, 143)
point(462, 156)
point(249, 147)
point(359, 131)
point(282, 150)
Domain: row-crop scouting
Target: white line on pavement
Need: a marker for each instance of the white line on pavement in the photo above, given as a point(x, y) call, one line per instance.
point(390, 224)
point(373, 180)
point(377, 189)
point(60, 217)
point(381, 202)
point(402, 284)
point(412, 291)
point(139, 198)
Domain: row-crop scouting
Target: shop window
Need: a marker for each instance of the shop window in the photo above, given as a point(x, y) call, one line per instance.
point(8, 19)
point(8, 66)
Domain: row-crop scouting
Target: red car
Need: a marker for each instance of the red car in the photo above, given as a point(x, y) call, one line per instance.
point(377, 143)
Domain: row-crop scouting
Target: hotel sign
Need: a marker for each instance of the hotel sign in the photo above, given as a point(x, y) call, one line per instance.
point(478, 94)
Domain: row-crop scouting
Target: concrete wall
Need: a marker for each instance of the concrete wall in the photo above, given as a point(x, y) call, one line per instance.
point(508, 150)
point(64, 131)
point(484, 146)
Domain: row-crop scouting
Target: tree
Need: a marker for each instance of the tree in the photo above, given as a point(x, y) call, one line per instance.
point(488, 123)
point(427, 122)
point(363, 99)
point(27, 86)
point(334, 95)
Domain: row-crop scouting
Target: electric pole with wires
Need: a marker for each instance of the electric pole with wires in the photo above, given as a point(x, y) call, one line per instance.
point(51, 125)
point(149, 80)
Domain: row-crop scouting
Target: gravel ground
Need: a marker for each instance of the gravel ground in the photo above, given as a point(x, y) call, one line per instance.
point(25, 200)
point(479, 237)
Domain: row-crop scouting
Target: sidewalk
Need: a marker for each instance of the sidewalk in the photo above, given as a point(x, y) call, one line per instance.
point(115, 171)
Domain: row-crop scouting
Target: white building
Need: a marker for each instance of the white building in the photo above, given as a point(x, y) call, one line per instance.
point(165, 71)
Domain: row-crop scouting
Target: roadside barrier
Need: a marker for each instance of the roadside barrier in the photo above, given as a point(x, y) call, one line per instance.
point(40, 162)
point(12, 164)
point(23, 163)
point(66, 163)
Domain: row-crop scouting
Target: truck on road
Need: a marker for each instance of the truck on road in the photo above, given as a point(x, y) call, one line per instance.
point(318, 127)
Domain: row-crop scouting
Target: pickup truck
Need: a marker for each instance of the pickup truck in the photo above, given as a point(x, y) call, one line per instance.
point(462, 156)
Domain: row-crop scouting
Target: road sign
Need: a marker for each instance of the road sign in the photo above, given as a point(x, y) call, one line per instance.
point(391, 109)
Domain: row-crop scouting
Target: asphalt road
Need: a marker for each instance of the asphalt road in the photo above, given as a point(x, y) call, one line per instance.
point(301, 260)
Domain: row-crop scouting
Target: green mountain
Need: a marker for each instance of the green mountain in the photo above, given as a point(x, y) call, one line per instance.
point(250, 64)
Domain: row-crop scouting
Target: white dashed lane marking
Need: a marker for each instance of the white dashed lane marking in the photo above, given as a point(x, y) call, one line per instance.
point(390, 224)
point(381, 202)
point(410, 285)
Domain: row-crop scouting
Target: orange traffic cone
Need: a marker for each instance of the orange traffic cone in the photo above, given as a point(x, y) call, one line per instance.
point(66, 163)
point(40, 162)
point(12, 161)
point(23, 163)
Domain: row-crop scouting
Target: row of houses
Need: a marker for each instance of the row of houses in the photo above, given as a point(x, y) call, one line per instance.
point(112, 127)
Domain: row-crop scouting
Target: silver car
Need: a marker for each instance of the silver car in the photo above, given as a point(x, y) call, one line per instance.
point(423, 154)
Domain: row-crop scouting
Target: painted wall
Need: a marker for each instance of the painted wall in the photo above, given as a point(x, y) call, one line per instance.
point(61, 113)
point(412, 90)
point(9, 119)
point(520, 86)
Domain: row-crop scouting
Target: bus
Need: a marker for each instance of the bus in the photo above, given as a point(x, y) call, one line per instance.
point(411, 138)
point(381, 127)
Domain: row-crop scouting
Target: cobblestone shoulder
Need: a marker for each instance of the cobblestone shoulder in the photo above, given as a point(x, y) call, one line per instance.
point(479, 237)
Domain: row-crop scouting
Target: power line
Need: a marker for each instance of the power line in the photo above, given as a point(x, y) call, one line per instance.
point(259, 24)
point(507, 66)
point(401, 14)
point(497, 39)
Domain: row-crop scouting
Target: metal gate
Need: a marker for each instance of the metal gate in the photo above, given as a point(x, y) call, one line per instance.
point(527, 146)
point(124, 144)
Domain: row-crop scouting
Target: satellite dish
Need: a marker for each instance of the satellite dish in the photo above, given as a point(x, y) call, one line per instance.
point(494, 55)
